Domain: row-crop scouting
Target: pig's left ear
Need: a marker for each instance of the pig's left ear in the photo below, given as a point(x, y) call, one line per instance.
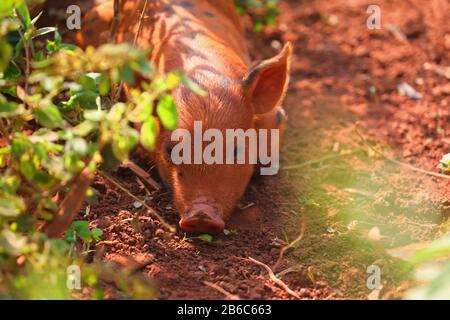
point(266, 83)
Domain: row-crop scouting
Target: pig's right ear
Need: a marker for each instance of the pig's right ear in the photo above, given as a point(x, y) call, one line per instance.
point(266, 83)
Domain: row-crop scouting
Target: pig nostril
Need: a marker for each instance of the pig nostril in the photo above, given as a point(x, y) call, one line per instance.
point(200, 222)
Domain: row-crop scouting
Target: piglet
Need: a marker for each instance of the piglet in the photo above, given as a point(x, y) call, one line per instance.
point(203, 39)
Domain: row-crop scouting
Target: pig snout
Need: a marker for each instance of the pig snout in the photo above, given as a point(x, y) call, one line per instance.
point(203, 217)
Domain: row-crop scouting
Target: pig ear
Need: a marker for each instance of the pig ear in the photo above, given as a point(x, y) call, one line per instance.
point(267, 82)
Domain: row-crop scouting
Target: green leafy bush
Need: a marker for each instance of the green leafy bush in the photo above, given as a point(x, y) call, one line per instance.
point(60, 122)
point(431, 271)
point(263, 12)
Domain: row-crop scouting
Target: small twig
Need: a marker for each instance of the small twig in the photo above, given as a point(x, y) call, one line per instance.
point(397, 32)
point(115, 22)
point(274, 278)
point(71, 204)
point(136, 37)
point(288, 270)
point(248, 205)
point(311, 162)
point(140, 218)
point(228, 296)
point(290, 245)
point(150, 209)
point(4, 132)
point(426, 225)
point(142, 174)
point(26, 46)
point(406, 165)
point(141, 20)
point(107, 242)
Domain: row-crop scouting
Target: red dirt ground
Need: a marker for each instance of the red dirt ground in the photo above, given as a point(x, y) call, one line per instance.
point(336, 55)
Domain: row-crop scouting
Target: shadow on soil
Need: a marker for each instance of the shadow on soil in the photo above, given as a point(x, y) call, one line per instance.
point(355, 205)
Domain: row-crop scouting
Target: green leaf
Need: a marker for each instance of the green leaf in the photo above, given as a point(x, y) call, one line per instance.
point(12, 72)
point(43, 135)
point(35, 19)
point(85, 99)
point(438, 248)
point(11, 206)
point(149, 131)
point(127, 75)
point(81, 228)
point(6, 52)
point(103, 85)
point(116, 113)
point(96, 234)
point(90, 80)
point(6, 7)
point(27, 167)
point(73, 163)
point(11, 90)
point(206, 237)
point(94, 115)
point(193, 86)
point(10, 183)
point(19, 146)
point(124, 141)
point(78, 146)
point(145, 68)
point(172, 81)
point(167, 112)
point(110, 162)
point(444, 163)
point(144, 107)
point(49, 116)
point(43, 31)
point(9, 109)
point(3, 160)
point(12, 242)
point(85, 128)
point(22, 10)
point(69, 236)
point(47, 203)
point(69, 47)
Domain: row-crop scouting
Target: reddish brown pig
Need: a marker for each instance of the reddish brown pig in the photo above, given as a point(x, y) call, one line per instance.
point(202, 38)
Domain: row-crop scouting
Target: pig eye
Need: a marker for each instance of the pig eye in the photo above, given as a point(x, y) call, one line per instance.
point(168, 151)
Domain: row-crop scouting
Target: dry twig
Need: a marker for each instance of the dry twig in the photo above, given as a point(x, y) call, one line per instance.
point(71, 204)
point(150, 209)
point(115, 22)
point(228, 296)
point(290, 245)
point(314, 161)
point(136, 37)
point(274, 278)
point(141, 20)
point(142, 174)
